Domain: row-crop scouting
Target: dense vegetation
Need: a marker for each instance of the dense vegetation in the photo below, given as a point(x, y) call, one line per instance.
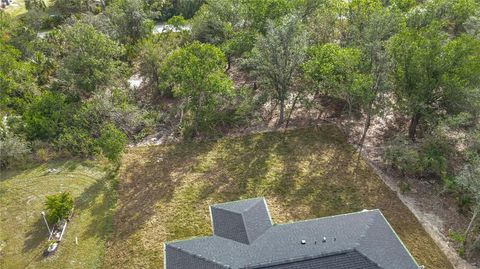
point(65, 64)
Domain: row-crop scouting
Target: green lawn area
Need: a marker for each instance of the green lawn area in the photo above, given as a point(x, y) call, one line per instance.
point(18, 7)
point(165, 191)
point(23, 234)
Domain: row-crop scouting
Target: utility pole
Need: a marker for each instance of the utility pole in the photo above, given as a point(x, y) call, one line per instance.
point(46, 222)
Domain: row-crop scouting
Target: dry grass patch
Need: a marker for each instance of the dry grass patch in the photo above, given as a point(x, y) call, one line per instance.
point(165, 191)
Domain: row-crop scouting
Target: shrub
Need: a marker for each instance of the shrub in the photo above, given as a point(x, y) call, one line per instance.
point(404, 187)
point(459, 238)
point(430, 158)
point(58, 206)
point(46, 116)
point(111, 142)
point(177, 21)
point(435, 151)
point(12, 147)
point(402, 155)
point(77, 141)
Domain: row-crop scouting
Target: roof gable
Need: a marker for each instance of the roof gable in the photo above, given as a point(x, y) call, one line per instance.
point(242, 221)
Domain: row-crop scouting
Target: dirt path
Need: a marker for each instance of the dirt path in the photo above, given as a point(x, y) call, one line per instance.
point(437, 213)
point(431, 222)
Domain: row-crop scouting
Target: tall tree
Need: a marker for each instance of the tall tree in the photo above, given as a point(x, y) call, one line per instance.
point(69, 7)
point(337, 72)
point(89, 60)
point(197, 75)
point(130, 19)
point(434, 74)
point(277, 58)
point(17, 81)
point(379, 26)
point(257, 13)
point(153, 51)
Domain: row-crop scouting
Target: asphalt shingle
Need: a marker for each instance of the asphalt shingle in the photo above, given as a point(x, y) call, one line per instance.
point(358, 238)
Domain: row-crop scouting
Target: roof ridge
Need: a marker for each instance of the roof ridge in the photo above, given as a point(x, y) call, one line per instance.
point(369, 225)
point(240, 201)
point(328, 217)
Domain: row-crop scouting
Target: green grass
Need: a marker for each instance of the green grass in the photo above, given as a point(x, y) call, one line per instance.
point(164, 192)
point(23, 234)
point(19, 7)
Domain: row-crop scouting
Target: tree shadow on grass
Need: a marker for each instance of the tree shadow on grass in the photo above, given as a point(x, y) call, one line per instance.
point(243, 165)
point(151, 177)
point(100, 210)
point(36, 237)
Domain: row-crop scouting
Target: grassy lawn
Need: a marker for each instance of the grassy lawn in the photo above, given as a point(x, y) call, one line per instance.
point(165, 191)
point(23, 234)
point(18, 7)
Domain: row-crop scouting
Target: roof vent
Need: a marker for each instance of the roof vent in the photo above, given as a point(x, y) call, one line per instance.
point(303, 242)
point(324, 239)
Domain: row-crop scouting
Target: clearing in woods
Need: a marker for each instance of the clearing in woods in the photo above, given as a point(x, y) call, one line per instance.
point(164, 191)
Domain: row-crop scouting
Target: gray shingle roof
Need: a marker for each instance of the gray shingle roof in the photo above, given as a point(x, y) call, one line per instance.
point(358, 238)
point(242, 222)
point(347, 260)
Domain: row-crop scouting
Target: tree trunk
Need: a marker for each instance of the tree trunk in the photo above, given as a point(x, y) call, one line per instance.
point(281, 119)
point(291, 109)
point(366, 127)
point(197, 115)
point(470, 225)
point(229, 63)
point(412, 129)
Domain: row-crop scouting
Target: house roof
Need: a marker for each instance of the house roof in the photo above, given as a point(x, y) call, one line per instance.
point(358, 240)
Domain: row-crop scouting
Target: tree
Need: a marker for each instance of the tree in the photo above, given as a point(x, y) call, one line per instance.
point(89, 60)
point(130, 19)
point(337, 71)
point(434, 74)
point(197, 75)
point(17, 85)
point(186, 8)
point(327, 23)
point(35, 5)
point(216, 21)
point(277, 58)
point(359, 15)
point(256, 13)
point(58, 206)
point(219, 22)
point(17, 81)
point(379, 27)
point(12, 146)
point(69, 7)
point(153, 51)
point(46, 116)
point(111, 142)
